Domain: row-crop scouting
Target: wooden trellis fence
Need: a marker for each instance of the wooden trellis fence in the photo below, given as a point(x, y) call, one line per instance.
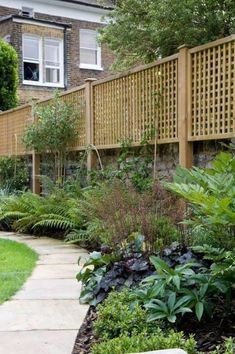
point(187, 97)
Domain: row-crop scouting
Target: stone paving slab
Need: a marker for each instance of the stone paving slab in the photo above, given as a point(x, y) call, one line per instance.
point(55, 271)
point(49, 289)
point(45, 315)
point(45, 244)
point(71, 258)
point(48, 250)
point(37, 342)
point(44, 249)
point(25, 315)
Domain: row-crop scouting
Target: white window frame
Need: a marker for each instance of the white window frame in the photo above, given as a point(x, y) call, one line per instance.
point(39, 62)
point(90, 66)
point(42, 66)
point(60, 67)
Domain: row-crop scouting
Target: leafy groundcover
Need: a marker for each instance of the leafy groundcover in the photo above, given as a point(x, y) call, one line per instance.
point(208, 333)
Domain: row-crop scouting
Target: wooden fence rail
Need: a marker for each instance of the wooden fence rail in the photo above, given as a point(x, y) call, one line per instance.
point(187, 97)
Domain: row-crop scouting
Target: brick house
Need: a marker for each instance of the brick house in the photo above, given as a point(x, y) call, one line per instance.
point(56, 42)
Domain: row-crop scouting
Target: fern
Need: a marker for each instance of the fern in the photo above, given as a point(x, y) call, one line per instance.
point(77, 236)
point(25, 224)
point(53, 222)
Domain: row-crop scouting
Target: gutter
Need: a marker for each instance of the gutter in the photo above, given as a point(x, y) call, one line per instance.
point(18, 18)
point(89, 5)
point(65, 60)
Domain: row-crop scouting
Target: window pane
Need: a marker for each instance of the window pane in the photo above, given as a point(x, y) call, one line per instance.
point(31, 48)
point(88, 39)
point(88, 56)
point(52, 52)
point(53, 75)
point(31, 71)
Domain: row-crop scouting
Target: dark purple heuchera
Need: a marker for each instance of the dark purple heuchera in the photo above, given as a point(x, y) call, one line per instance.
point(125, 273)
point(131, 269)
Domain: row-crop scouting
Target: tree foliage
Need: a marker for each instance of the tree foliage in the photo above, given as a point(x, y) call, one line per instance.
point(141, 31)
point(8, 75)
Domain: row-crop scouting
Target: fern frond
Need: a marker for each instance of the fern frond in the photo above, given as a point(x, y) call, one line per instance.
point(26, 223)
point(15, 215)
point(54, 222)
point(76, 236)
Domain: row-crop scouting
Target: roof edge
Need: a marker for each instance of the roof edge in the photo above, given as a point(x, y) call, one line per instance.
point(88, 5)
point(5, 18)
point(19, 17)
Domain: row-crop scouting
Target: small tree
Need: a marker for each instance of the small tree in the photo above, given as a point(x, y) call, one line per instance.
point(54, 129)
point(8, 75)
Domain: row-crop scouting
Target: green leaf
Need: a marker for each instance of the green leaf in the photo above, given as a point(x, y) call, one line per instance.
point(160, 265)
point(176, 281)
point(182, 301)
point(203, 290)
point(154, 317)
point(199, 309)
point(171, 318)
point(183, 310)
point(171, 301)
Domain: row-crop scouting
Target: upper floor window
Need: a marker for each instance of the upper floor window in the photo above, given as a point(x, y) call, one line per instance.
point(43, 61)
point(90, 51)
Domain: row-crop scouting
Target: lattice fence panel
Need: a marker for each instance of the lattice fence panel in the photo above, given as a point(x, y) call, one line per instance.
point(12, 126)
point(13, 123)
point(77, 98)
point(213, 92)
point(129, 106)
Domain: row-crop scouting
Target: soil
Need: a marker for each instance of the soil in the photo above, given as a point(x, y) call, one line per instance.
point(85, 338)
point(208, 334)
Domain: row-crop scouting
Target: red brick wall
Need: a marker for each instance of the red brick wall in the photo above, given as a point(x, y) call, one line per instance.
point(75, 75)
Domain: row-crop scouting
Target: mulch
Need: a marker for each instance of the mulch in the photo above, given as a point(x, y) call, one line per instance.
point(85, 338)
point(208, 333)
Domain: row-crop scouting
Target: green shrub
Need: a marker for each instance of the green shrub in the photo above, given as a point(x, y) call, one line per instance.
point(211, 195)
point(228, 347)
point(117, 316)
point(8, 75)
point(13, 174)
point(123, 211)
point(142, 342)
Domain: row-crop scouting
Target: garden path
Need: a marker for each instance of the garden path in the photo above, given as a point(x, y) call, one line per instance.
point(45, 315)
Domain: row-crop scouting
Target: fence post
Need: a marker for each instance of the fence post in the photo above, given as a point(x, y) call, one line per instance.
point(185, 147)
point(89, 122)
point(36, 173)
